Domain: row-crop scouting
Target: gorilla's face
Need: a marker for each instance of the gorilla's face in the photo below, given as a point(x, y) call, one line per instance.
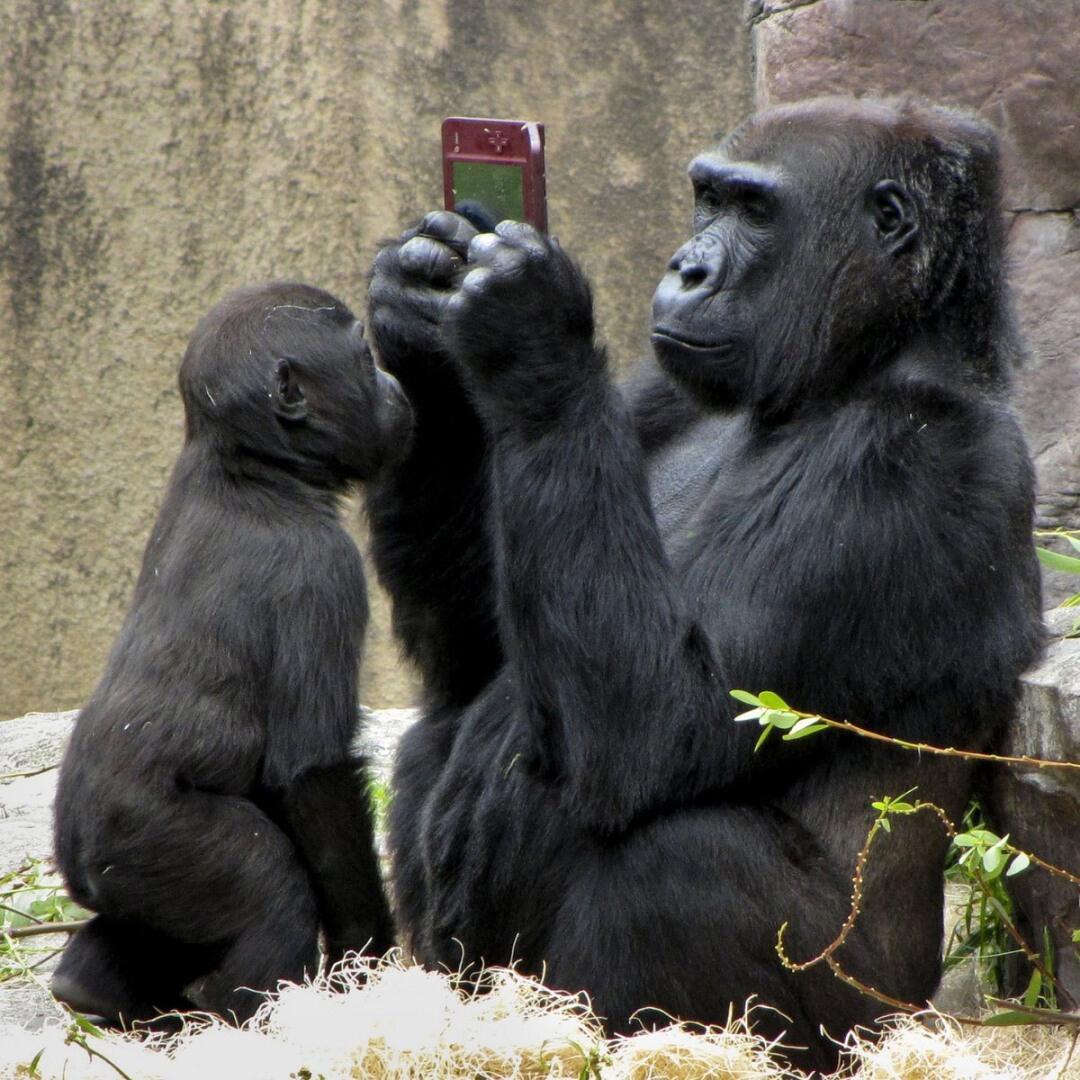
point(707, 306)
point(792, 273)
point(356, 416)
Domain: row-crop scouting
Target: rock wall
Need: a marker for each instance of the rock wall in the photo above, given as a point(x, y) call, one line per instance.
point(1018, 66)
point(154, 154)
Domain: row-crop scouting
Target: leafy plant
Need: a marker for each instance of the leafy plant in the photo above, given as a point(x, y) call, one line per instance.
point(773, 713)
point(31, 897)
point(1069, 564)
point(981, 860)
point(380, 796)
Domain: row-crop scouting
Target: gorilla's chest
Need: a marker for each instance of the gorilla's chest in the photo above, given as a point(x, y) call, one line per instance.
point(692, 475)
point(735, 510)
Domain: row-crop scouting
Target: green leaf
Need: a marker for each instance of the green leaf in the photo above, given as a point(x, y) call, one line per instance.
point(1056, 561)
point(1018, 865)
point(775, 701)
point(751, 714)
point(885, 824)
point(1008, 1019)
point(993, 860)
point(806, 726)
point(762, 737)
point(87, 1026)
point(779, 718)
point(1075, 543)
point(1034, 986)
point(963, 840)
point(745, 697)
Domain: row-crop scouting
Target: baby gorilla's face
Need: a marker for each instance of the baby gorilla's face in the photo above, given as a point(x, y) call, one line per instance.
point(377, 432)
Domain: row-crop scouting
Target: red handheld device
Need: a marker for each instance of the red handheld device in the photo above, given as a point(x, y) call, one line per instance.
point(493, 170)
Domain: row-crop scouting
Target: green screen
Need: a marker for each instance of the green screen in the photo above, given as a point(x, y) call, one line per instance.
point(498, 188)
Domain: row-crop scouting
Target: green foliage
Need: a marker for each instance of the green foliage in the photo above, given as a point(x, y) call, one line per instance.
point(79, 1033)
point(981, 860)
point(31, 895)
point(978, 859)
point(887, 805)
point(380, 796)
point(1069, 564)
point(773, 713)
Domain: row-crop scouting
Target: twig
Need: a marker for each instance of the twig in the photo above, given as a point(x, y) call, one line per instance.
point(1049, 1017)
point(944, 751)
point(857, 881)
point(1068, 1056)
point(28, 772)
point(1033, 958)
point(45, 928)
point(870, 991)
point(856, 899)
point(24, 914)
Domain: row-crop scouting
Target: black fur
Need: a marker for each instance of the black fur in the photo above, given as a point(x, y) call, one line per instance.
point(208, 809)
point(832, 499)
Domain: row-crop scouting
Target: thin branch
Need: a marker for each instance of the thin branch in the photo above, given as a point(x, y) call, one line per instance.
point(28, 772)
point(45, 928)
point(23, 914)
point(870, 991)
point(944, 751)
point(1049, 1017)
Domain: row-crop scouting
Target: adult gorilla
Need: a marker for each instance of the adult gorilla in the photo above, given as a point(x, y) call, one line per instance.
point(826, 495)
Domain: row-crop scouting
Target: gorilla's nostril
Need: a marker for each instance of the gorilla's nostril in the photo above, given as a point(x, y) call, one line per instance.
point(692, 274)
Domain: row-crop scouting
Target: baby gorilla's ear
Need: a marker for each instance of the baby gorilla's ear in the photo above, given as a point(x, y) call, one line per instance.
point(290, 405)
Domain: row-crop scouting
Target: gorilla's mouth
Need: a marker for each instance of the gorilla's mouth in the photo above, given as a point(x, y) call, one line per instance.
point(666, 338)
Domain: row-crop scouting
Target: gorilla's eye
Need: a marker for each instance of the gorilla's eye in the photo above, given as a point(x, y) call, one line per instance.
point(746, 200)
point(707, 200)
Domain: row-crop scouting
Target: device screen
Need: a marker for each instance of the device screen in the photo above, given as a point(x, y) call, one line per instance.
point(497, 190)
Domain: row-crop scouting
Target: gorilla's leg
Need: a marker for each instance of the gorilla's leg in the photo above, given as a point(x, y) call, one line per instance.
point(208, 872)
point(121, 970)
point(689, 907)
point(328, 814)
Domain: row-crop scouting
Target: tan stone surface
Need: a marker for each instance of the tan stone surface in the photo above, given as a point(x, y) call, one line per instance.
point(153, 154)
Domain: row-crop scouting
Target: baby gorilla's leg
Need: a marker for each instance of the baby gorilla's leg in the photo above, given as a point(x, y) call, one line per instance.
point(123, 971)
point(223, 906)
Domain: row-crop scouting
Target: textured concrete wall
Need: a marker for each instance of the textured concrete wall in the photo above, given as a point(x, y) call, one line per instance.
point(154, 153)
point(1018, 65)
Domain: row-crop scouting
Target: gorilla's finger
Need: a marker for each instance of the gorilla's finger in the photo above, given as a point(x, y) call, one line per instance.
point(490, 250)
point(522, 235)
point(474, 283)
point(423, 257)
point(423, 304)
point(450, 228)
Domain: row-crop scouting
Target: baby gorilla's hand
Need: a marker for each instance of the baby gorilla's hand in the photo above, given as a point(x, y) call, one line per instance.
point(411, 285)
point(521, 319)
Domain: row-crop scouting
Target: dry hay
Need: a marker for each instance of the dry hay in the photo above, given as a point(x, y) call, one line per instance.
point(388, 1021)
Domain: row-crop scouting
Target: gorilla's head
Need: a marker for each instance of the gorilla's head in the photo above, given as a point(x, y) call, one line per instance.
point(827, 236)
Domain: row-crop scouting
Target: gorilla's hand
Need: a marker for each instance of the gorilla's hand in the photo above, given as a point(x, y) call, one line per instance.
point(411, 285)
point(521, 321)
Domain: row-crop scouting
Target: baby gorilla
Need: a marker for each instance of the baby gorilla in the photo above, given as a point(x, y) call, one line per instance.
point(209, 809)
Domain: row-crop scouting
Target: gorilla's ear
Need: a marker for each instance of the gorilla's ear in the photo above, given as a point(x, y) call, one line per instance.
point(895, 216)
point(289, 401)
